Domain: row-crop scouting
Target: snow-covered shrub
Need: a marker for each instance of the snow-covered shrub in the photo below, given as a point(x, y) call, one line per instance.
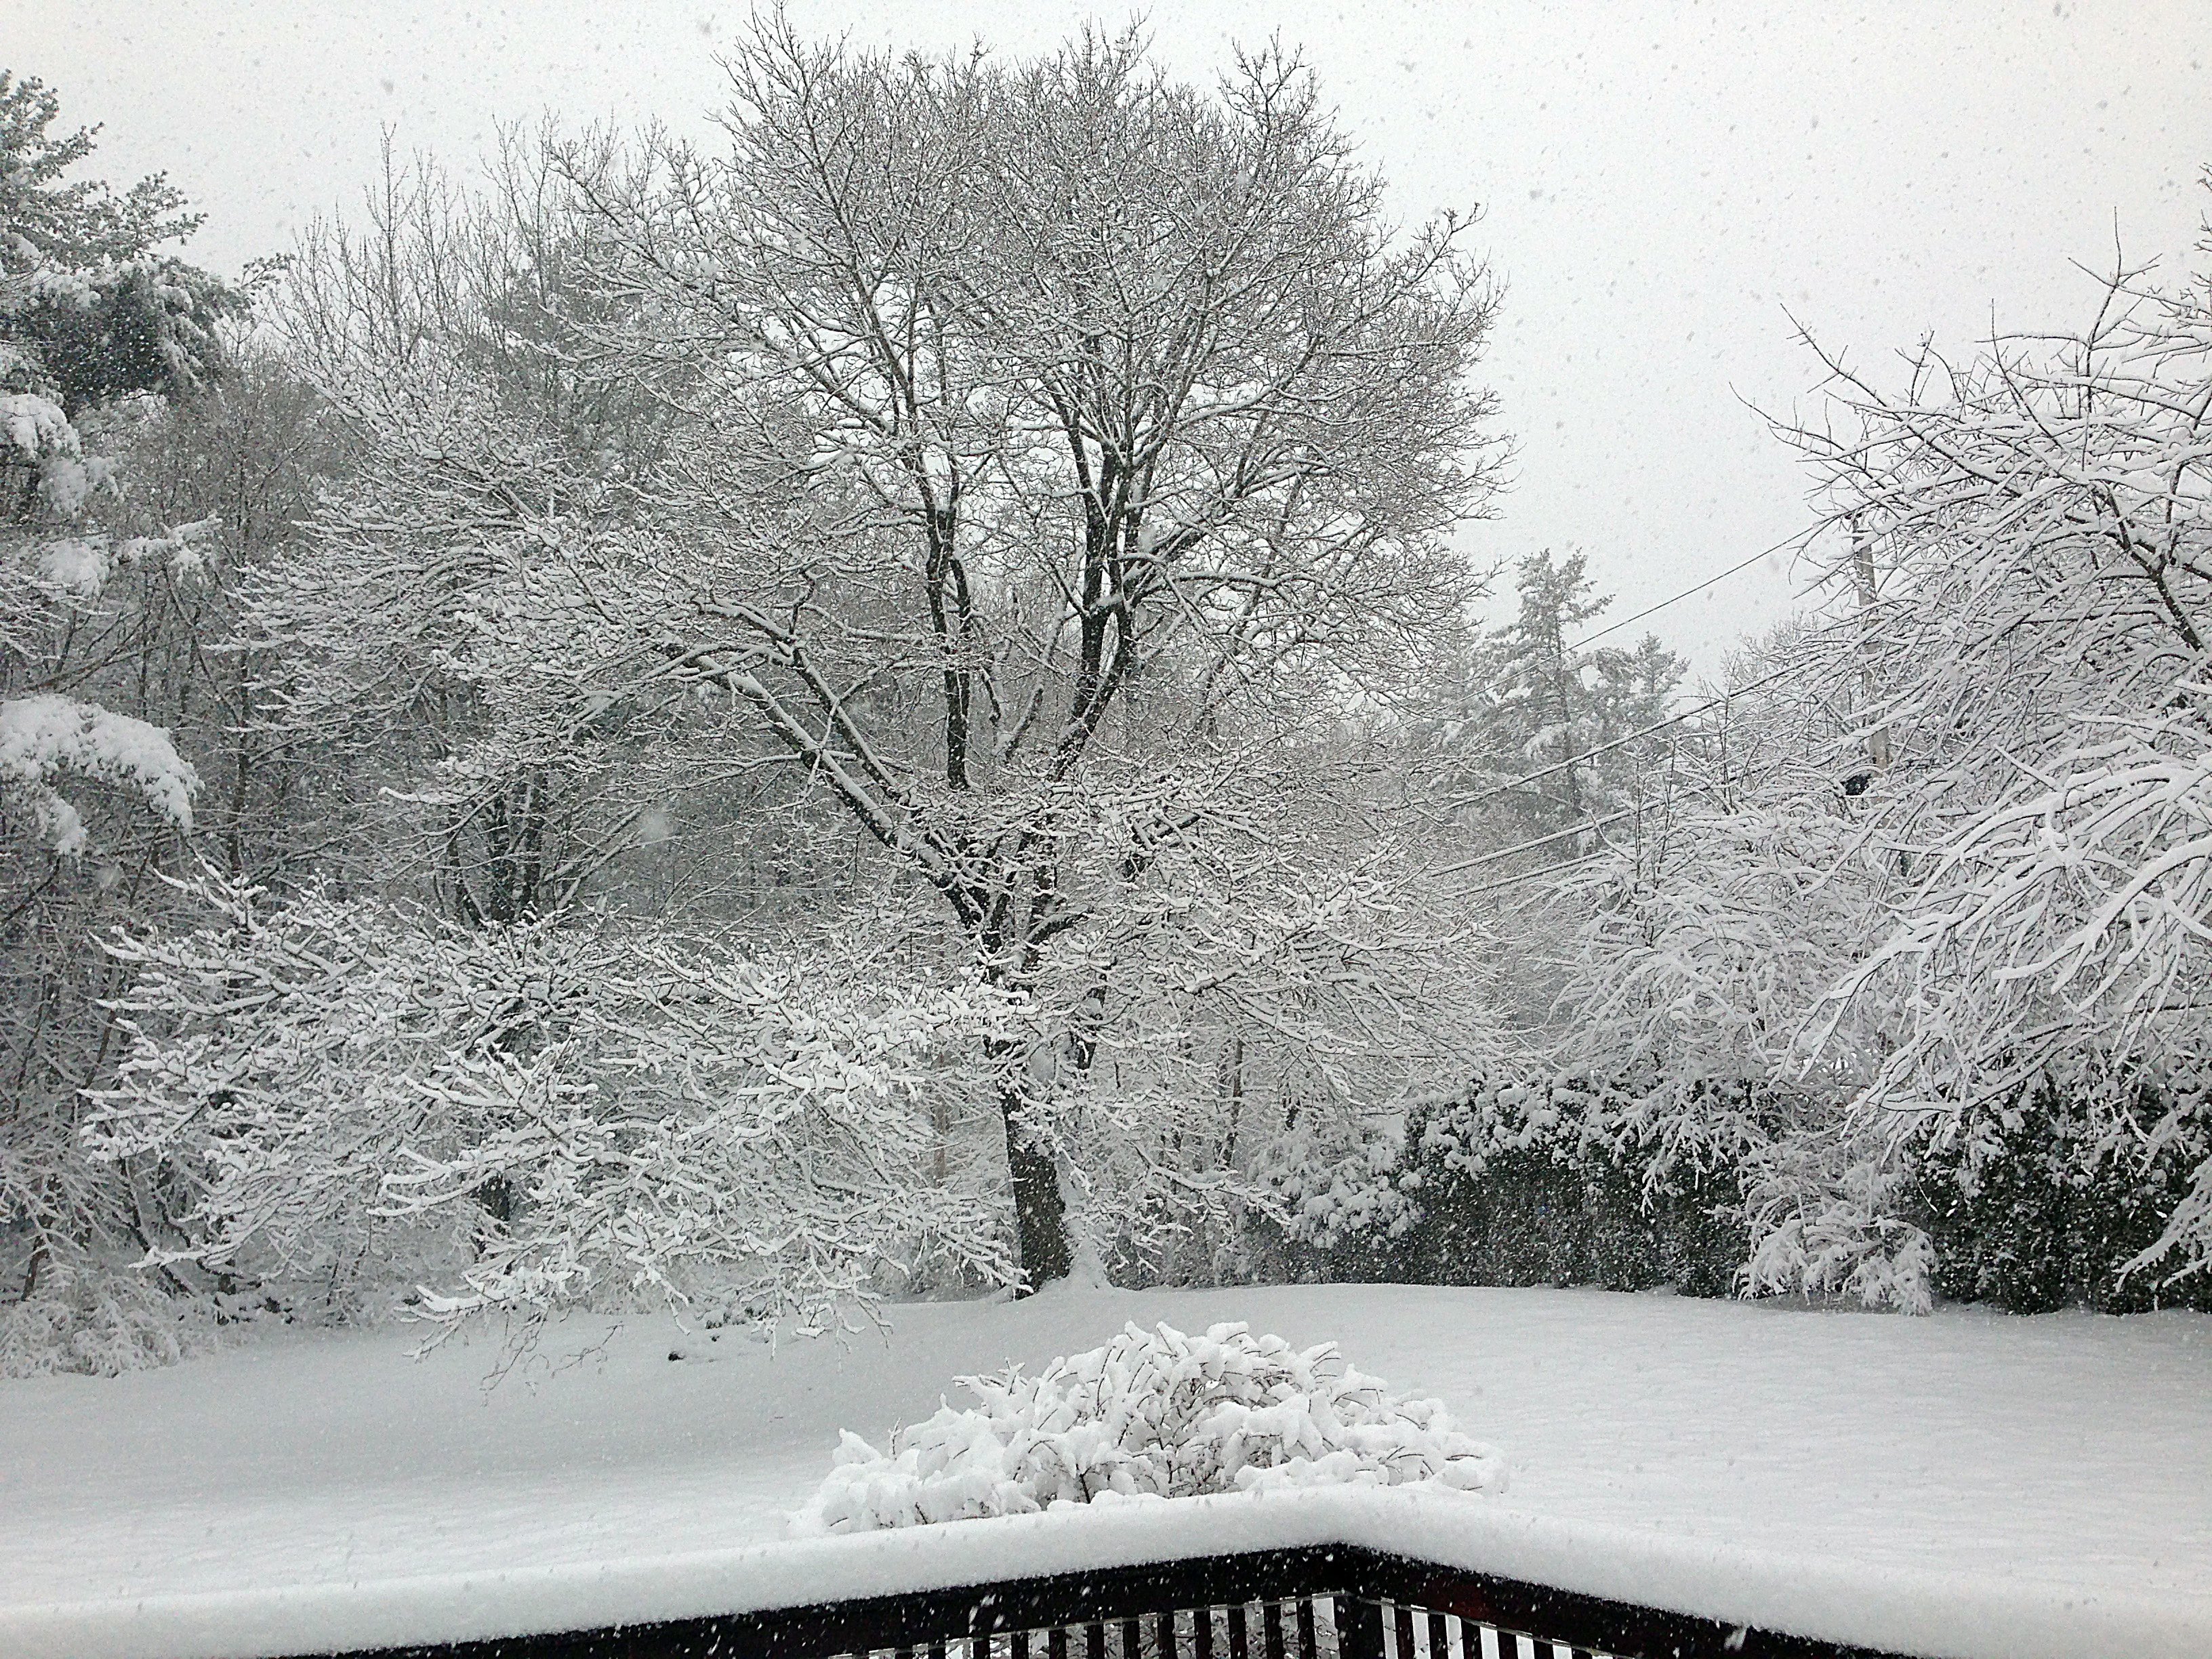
point(1153, 1413)
point(1336, 1186)
point(94, 1321)
point(1832, 1215)
point(2043, 1200)
point(533, 1116)
point(1533, 1179)
point(1553, 1180)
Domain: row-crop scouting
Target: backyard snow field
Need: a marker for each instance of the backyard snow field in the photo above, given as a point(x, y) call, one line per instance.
point(1963, 1485)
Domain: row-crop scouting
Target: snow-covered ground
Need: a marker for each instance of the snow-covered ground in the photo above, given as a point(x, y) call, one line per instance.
point(2022, 1485)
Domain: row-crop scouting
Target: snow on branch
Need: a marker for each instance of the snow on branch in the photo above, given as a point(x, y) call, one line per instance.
point(2029, 576)
point(35, 427)
point(44, 737)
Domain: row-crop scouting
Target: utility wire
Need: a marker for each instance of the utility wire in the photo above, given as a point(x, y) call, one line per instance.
point(1501, 885)
point(1604, 748)
point(1511, 784)
point(1557, 834)
point(1742, 564)
point(1541, 840)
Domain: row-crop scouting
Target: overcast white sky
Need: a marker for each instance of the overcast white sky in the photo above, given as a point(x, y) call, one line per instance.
point(1658, 183)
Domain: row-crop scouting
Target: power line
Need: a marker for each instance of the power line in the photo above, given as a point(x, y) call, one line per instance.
point(1501, 885)
point(1741, 564)
point(1511, 784)
point(1558, 834)
point(1541, 840)
point(1559, 765)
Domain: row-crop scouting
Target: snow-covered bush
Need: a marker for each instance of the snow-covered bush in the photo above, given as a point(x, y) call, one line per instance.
point(1153, 1413)
point(93, 1320)
point(44, 737)
point(1335, 1184)
point(1547, 1179)
point(1530, 1179)
point(2039, 1201)
point(533, 1116)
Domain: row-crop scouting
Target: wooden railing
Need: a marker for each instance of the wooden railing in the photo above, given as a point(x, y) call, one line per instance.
point(1328, 1603)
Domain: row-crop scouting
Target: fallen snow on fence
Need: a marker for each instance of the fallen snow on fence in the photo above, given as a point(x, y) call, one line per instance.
point(1963, 1485)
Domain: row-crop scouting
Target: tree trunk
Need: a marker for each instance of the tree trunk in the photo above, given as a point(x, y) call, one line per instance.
point(1040, 1212)
point(1869, 596)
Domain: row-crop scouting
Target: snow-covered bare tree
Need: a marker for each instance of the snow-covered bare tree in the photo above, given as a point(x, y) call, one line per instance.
point(943, 569)
point(438, 332)
point(2029, 540)
point(1066, 437)
point(1944, 858)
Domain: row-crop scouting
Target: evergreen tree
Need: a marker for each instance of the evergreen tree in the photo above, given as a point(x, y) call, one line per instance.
point(97, 628)
point(1527, 703)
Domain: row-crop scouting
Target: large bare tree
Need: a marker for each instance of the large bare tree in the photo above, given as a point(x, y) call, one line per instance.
point(1071, 431)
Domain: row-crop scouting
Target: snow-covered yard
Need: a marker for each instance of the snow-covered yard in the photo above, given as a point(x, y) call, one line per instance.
point(2011, 1486)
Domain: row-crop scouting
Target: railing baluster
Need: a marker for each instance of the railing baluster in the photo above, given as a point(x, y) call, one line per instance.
point(1359, 1628)
point(1402, 1618)
point(1055, 1642)
point(1132, 1643)
point(1271, 1630)
point(1095, 1641)
point(1201, 1631)
point(1238, 1633)
point(1439, 1636)
point(1309, 1643)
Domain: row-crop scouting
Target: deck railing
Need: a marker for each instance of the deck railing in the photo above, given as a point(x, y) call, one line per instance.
point(1322, 1603)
